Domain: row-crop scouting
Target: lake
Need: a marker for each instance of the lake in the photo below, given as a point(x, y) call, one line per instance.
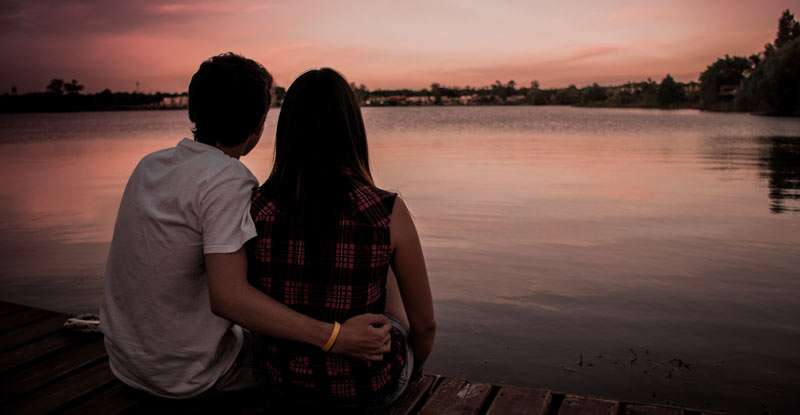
point(632, 254)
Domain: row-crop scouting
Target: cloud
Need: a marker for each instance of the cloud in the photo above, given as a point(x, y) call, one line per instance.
point(100, 17)
point(532, 67)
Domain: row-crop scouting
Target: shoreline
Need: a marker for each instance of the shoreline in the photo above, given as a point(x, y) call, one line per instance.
point(628, 107)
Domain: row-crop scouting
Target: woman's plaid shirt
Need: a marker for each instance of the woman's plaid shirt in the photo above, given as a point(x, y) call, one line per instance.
point(351, 281)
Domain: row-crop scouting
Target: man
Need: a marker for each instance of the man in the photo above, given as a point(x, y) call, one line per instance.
point(176, 280)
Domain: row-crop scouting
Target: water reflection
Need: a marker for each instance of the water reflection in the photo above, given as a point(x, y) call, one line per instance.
point(549, 233)
point(779, 162)
point(774, 158)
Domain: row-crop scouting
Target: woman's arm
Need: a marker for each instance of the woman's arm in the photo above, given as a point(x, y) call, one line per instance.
point(232, 297)
point(394, 302)
point(412, 278)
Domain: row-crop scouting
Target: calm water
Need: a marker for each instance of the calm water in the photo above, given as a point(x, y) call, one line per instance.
point(631, 254)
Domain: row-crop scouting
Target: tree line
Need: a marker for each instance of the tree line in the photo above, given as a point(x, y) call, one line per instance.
point(649, 94)
point(766, 82)
point(62, 96)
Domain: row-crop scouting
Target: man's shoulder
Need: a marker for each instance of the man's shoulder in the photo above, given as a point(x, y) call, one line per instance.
point(224, 168)
point(157, 155)
point(202, 166)
point(217, 164)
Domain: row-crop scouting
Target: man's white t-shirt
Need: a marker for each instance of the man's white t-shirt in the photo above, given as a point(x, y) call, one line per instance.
point(179, 204)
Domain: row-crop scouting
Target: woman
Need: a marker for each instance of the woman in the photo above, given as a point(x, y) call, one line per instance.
point(327, 238)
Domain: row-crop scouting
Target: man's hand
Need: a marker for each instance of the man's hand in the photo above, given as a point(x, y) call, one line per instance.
point(364, 337)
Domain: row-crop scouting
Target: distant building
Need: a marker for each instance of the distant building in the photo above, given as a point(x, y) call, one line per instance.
point(468, 99)
point(691, 88)
point(423, 100)
point(516, 99)
point(394, 100)
point(179, 101)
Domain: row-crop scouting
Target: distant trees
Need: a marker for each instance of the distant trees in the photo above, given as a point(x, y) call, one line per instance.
point(766, 83)
point(536, 96)
point(56, 86)
point(669, 92)
point(593, 94)
point(788, 29)
point(436, 91)
point(720, 80)
point(567, 96)
point(361, 92)
point(73, 87)
point(59, 87)
point(68, 97)
point(280, 94)
point(500, 90)
point(773, 84)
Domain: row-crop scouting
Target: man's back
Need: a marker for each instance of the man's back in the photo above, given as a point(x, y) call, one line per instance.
point(179, 204)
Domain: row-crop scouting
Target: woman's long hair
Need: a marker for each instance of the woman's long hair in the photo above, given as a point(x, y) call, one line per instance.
point(320, 152)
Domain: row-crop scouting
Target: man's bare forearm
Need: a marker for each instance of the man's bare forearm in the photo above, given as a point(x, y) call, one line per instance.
point(232, 297)
point(258, 312)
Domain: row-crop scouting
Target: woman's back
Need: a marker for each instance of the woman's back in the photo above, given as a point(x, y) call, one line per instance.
point(330, 275)
point(326, 239)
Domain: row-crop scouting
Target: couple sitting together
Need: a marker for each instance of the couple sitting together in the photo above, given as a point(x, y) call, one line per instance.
point(311, 287)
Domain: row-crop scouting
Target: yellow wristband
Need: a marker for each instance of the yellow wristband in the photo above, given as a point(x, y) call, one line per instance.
point(332, 340)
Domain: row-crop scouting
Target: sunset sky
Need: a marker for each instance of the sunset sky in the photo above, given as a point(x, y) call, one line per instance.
point(383, 44)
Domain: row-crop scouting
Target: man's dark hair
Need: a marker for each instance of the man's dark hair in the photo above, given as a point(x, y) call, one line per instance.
point(228, 98)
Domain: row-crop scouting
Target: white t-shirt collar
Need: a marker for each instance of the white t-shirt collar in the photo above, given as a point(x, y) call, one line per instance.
point(196, 146)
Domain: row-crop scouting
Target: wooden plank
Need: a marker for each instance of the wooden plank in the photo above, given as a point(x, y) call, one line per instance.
point(6, 307)
point(116, 399)
point(46, 345)
point(514, 400)
point(22, 317)
point(579, 405)
point(456, 396)
point(644, 409)
point(415, 394)
point(58, 394)
point(45, 369)
point(22, 335)
point(49, 369)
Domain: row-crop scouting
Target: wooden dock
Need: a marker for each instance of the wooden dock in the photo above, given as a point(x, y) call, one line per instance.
point(46, 369)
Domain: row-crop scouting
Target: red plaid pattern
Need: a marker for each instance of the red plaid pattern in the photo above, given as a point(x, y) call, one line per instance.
point(349, 279)
point(374, 292)
point(273, 374)
point(343, 390)
point(345, 255)
point(380, 254)
point(263, 248)
point(295, 292)
point(337, 366)
point(295, 254)
point(365, 198)
point(300, 365)
point(340, 297)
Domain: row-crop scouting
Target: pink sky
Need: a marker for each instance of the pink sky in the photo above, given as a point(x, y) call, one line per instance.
point(383, 44)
